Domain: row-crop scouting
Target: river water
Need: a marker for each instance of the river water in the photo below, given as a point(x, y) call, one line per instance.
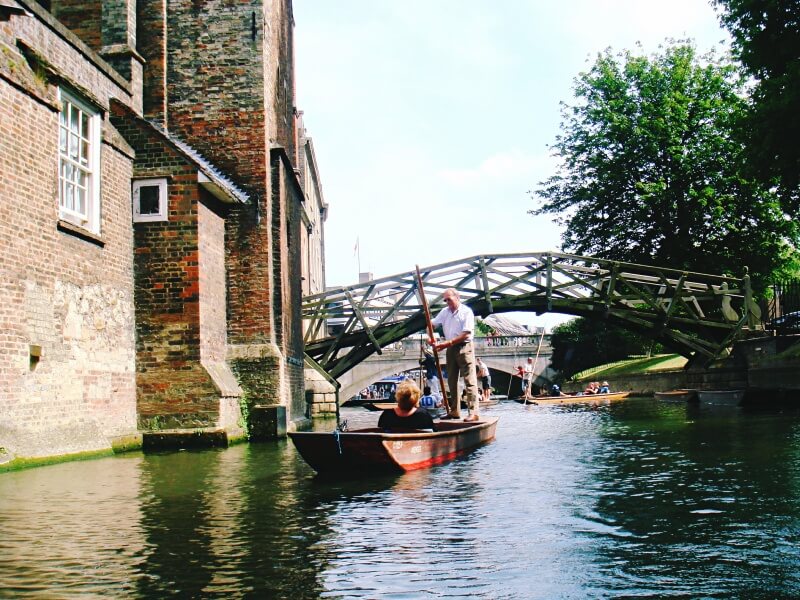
point(635, 499)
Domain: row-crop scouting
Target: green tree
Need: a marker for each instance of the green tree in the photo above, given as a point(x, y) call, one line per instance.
point(580, 344)
point(766, 39)
point(651, 171)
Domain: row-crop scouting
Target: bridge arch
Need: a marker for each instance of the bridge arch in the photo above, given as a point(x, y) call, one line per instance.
point(698, 315)
point(403, 357)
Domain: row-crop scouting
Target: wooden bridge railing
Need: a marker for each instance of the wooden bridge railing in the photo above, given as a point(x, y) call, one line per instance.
point(696, 314)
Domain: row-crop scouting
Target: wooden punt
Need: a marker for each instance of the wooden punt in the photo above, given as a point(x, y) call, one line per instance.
point(583, 399)
point(677, 395)
point(726, 397)
point(372, 449)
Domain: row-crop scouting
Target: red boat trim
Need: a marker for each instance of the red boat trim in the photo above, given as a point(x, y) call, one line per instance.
point(436, 460)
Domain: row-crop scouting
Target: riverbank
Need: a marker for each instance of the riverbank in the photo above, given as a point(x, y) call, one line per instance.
point(769, 368)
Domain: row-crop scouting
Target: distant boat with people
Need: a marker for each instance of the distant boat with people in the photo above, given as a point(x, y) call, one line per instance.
point(576, 398)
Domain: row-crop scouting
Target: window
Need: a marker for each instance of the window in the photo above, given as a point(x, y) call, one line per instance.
point(79, 163)
point(149, 200)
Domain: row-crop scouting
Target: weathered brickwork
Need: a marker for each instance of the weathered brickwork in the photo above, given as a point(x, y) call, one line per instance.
point(230, 85)
point(314, 214)
point(287, 225)
point(158, 324)
point(83, 18)
point(151, 44)
point(67, 355)
point(180, 274)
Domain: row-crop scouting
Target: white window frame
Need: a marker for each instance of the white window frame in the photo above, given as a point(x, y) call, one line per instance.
point(79, 128)
point(162, 214)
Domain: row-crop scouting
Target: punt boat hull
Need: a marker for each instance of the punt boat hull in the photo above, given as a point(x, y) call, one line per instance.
point(677, 395)
point(725, 397)
point(372, 449)
point(583, 399)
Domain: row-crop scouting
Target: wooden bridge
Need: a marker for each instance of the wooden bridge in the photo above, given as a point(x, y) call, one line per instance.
point(696, 314)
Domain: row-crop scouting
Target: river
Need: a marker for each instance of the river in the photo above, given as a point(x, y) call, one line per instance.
point(634, 499)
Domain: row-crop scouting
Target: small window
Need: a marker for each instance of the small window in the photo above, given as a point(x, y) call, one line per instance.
point(79, 163)
point(149, 200)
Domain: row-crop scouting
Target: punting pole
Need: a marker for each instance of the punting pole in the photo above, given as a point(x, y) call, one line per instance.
point(429, 323)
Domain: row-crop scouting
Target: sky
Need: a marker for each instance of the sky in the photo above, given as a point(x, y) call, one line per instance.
point(432, 119)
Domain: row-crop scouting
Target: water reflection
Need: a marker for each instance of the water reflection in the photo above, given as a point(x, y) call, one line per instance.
point(70, 527)
point(696, 498)
point(637, 498)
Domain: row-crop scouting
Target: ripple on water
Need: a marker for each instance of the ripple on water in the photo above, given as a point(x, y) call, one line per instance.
point(630, 499)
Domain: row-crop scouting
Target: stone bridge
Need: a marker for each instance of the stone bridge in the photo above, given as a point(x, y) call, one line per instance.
point(501, 354)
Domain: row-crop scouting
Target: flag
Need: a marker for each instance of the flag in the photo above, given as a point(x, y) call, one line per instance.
point(355, 248)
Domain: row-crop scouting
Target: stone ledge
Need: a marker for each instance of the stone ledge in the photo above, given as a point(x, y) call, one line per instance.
point(126, 443)
point(173, 439)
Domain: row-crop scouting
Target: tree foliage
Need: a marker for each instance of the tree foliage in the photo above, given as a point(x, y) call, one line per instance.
point(580, 344)
point(766, 38)
point(651, 170)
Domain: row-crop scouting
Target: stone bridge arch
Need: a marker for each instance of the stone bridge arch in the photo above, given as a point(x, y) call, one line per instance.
point(402, 357)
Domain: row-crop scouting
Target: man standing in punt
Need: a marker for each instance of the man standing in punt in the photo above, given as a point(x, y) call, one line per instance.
point(458, 324)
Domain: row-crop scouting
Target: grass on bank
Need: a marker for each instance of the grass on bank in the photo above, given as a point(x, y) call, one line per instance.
point(790, 353)
point(633, 366)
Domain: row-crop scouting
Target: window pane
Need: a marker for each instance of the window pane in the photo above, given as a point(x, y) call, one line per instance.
point(84, 125)
point(73, 147)
point(74, 115)
point(148, 199)
point(70, 197)
point(80, 201)
point(84, 152)
point(62, 139)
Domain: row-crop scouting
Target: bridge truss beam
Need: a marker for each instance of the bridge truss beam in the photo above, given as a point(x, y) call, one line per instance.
point(696, 314)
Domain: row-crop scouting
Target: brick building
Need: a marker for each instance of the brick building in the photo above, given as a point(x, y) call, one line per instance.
point(160, 215)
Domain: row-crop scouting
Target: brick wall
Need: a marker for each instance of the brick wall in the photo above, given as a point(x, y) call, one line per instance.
point(228, 80)
point(180, 279)
point(287, 256)
point(65, 293)
point(151, 39)
point(82, 17)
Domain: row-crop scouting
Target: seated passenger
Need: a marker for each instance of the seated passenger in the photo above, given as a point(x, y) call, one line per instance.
point(604, 389)
point(591, 388)
point(407, 414)
point(428, 400)
point(554, 390)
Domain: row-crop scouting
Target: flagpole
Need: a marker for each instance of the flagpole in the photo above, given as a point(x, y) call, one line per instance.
point(357, 253)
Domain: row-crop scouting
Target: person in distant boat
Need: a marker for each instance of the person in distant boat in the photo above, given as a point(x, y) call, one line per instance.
point(484, 378)
point(592, 388)
point(428, 400)
point(458, 324)
point(428, 362)
point(407, 414)
point(555, 390)
point(604, 389)
point(526, 379)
